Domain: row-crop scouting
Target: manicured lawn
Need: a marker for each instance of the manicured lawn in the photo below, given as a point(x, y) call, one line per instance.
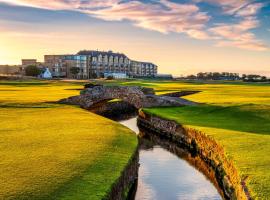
point(238, 117)
point(34, 92)
point(51, 151)
point(219, 93)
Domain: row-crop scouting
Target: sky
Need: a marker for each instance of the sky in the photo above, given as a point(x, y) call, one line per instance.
point(181, 36)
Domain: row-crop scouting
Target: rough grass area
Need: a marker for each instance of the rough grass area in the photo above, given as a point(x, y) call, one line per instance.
point(238, 117)
point(51, 151)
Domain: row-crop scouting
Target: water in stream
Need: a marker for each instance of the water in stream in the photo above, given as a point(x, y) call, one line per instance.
point(166, 176)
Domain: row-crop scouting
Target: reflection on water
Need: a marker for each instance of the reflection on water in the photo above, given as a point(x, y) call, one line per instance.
point(165, 176)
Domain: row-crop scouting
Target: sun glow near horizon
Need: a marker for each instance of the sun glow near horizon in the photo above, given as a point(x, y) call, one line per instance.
point(210, 43)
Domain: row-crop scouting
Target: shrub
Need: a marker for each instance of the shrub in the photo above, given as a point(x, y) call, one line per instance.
point(32, 70)
point(110, 78)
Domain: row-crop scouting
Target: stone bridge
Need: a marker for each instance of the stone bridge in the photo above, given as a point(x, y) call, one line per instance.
point(139, 97)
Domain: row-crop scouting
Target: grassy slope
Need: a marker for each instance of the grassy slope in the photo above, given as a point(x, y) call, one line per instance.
point(55, 151)
point(238, 116)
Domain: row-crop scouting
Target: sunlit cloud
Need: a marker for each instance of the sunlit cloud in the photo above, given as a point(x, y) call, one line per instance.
point(239, 34)
point(235, 31)
point(165, 16)
point(250, 10)
point(252, 44)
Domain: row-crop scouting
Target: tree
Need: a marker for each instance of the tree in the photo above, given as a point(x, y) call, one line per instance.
point(110, 78)
point(32, 70)
point(191, 77)
point(216, 75)
point(200, 75)
point(264, 78)
point(74, 70)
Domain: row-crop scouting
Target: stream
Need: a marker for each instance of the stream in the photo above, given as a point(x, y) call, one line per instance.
point(166, 171)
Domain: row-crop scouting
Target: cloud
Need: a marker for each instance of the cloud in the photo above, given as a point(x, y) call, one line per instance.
point(162, 15)
point(198, 34)
point(236, 7)
point(166, 17)
point(228, 6)
point(234, 31)
point(253, 44)
point(250, 10)
point(239, 35)
point(53, 4)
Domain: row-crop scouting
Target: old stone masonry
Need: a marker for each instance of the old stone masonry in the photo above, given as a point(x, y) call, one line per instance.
point(139, 97)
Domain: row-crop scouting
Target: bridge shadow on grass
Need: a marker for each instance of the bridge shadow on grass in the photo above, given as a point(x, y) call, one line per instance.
point(246, 118)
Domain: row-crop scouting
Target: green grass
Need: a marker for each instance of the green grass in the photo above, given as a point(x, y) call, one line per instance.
point(246, 118)
point(51, 151)
point(215, 92)
point(236, 114)
point(238, 117)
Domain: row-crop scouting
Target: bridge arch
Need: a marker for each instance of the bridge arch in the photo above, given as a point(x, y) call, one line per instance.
point(138, 97)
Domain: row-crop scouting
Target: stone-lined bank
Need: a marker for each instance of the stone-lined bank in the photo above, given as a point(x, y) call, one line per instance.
point(200, 145)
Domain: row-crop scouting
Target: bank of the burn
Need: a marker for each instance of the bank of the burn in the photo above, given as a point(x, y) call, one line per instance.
point(125, 186)
point(201, 145)
point(51, 151)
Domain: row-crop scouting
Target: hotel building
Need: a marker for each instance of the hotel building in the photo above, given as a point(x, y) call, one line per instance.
point(98, 64)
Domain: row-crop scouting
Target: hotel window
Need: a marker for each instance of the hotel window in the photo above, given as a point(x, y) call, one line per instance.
point(126, 61)
point(105, 59)
point(121, 60)
point(111, 59)
point(115, 59)
point(83, 58)
point(99, 58)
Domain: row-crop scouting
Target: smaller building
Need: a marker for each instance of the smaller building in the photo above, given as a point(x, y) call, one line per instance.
point(56, 65)
point(10, 69)
point(45, 73)
point(27, 62)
